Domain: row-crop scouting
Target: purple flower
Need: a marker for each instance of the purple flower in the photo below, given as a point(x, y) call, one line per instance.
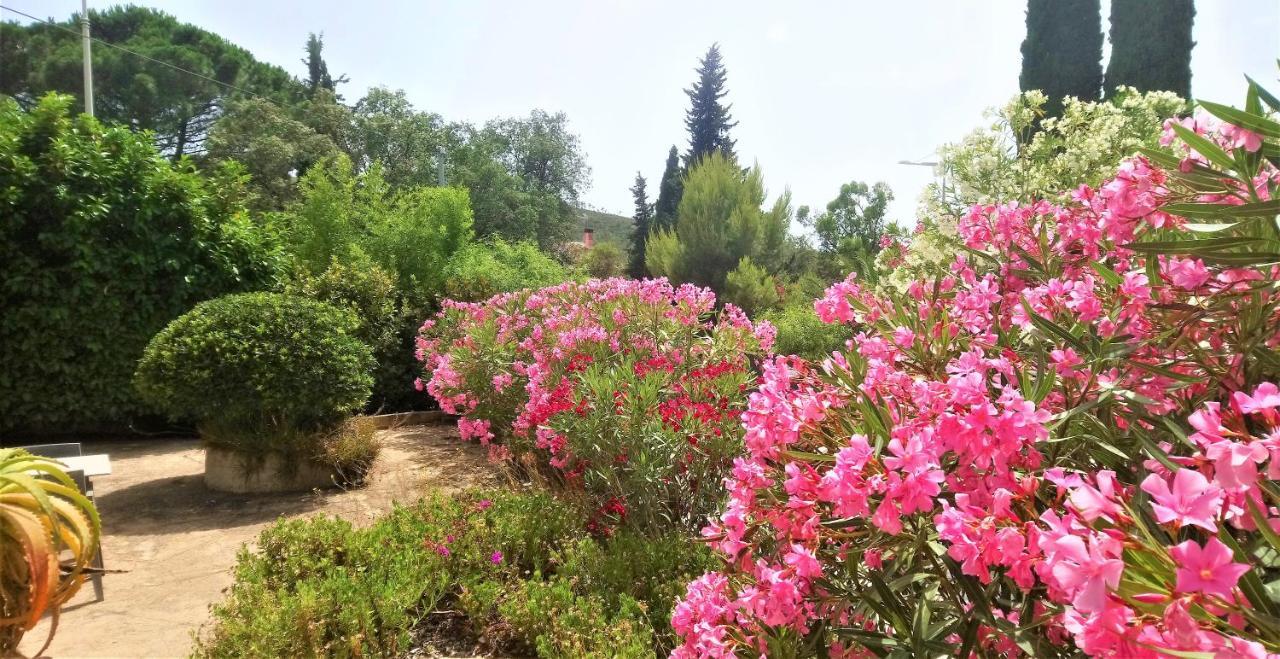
point(496, 558)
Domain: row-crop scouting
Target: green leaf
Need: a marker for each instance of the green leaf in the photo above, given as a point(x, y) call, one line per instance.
point(1253, 122)
point(1108, 275)
point(1197, 245)
point(1204, 147)
point(1211, 211)
point(1160, 157)
point(1053, 329)
point(1266, 96)
point(1250, 584)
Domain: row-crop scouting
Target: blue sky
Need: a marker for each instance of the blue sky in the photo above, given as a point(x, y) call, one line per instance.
point(825, 92)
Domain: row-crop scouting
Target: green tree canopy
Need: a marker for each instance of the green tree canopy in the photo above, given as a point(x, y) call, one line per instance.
point(1151, 46)
point(720, 222)
point(273, 146)
point(849, 231)
point(346, 215)
point(178, 107)
point(708, 119)
point(1062, 52)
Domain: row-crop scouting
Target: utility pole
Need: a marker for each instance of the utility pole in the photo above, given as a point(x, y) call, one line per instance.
point(88, 58)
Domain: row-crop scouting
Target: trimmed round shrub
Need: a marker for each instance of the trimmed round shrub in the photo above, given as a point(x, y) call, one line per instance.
point(258, 364)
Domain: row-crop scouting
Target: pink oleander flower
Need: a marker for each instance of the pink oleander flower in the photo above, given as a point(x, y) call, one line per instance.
point(1209, 569)
point(1240, 138)
point(1192, 500)
point(1265, 397)
point(1089, 570)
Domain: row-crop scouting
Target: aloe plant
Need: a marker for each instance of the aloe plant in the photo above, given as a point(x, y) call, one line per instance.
point(42, 515)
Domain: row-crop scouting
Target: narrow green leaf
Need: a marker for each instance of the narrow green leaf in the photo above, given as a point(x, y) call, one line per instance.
point(1204, 147)
point(1266, 96)
point(1208, 211)
point(1236, 117)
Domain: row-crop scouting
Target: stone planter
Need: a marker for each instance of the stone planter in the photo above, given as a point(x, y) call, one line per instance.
point(226, 470)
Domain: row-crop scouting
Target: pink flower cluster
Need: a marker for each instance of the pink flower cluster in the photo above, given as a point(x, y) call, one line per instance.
point(1007, 440)
point(548, 373)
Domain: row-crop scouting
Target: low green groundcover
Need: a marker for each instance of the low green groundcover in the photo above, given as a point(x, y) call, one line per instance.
point(517, 565)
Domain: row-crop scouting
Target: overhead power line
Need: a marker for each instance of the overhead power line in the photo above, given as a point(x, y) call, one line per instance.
point(108, 44)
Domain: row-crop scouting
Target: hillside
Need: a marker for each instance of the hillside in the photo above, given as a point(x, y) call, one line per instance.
point(608, 227)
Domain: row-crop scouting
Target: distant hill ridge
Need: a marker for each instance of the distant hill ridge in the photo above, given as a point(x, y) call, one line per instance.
point(608, 227)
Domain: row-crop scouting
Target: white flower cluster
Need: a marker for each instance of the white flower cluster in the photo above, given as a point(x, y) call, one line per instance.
point(1014, 159)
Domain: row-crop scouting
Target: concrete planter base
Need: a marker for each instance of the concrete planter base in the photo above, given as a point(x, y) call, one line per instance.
point(243, 473)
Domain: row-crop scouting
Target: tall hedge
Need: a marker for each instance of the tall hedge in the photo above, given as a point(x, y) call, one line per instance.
point(1062, 52)
point(103, 241)
point(1151, 46)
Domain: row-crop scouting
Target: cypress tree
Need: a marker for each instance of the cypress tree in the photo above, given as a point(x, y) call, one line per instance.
point(670, 189)
point(1062, 52)
point(640, 232)
point(708, 118)
point(1151, 46)
point(317, 70)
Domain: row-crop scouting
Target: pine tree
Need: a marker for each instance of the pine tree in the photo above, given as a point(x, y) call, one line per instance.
point(670, 189)
point(708, 119)
point(1062, 52)
point(317, 71)
point(1151, 46)
point(640, 233)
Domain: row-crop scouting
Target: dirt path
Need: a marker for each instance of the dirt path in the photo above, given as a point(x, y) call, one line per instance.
point(178, 540)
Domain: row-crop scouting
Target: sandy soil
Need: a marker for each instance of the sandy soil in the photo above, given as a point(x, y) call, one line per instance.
point(177, 540)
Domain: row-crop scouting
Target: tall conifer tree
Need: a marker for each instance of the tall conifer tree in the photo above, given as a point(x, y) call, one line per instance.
point(1151, 46)
point(708, 118)
point(643, 220)
point(1062, 52)
point(317, 70)
point(669, 192)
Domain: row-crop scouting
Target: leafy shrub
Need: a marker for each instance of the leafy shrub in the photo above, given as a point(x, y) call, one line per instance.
point(103, 242)
point(634, 567)
point(259, 366)
point(481, 270)
point(411, 233)
point(624, 393)
point(351, 449)
point(387, 322)
point(751, 289)
point(801, 332)
point(1065, 446)
point(563, 624)
point(605, 260)
point(319, 588)
point(517, 563)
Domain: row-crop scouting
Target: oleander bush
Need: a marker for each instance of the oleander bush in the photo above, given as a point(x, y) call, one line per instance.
point(259, 371)
point(103, 241)
point(517, 564)
point(622, 394)
point(1065, 444)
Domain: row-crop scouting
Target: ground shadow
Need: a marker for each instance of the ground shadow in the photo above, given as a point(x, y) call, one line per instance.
point(182, 504)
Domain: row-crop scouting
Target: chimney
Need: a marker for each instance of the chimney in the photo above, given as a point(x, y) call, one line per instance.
point(588, 238)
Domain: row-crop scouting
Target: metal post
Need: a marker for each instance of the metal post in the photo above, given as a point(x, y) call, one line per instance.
point(88, 58)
